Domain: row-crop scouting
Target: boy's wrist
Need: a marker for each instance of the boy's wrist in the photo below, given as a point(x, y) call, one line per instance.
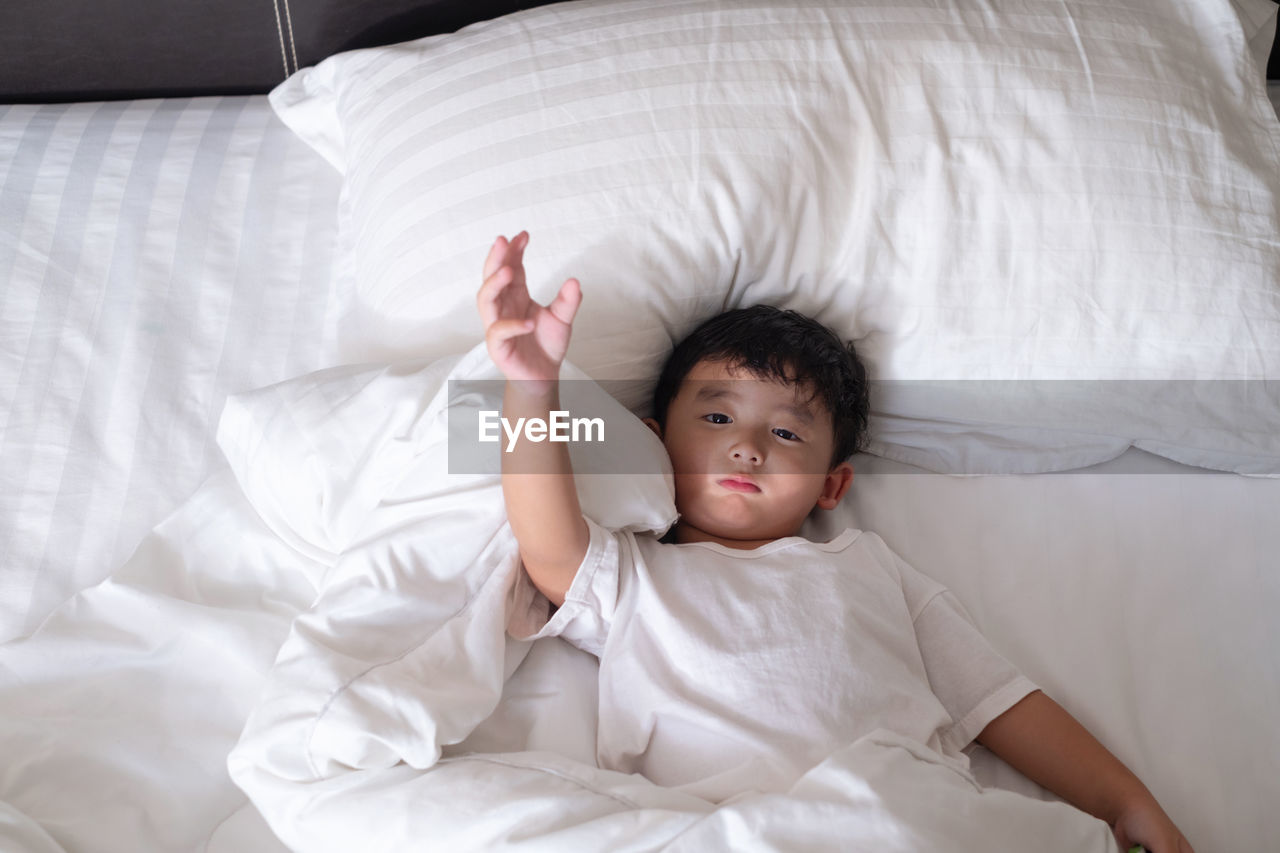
point(533, 393)
point(1133, 796)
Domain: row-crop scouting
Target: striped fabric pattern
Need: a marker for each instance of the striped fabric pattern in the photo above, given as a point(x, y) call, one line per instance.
point(1001, 190)
point(155, 256)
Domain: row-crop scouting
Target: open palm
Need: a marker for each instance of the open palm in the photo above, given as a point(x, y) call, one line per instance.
point(527, 341)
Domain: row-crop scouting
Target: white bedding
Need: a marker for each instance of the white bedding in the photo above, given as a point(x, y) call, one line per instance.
point(150, 676)
point(183, 637)
point(157, 256)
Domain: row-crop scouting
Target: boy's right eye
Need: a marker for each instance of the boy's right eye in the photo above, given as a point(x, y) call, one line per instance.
point(717, 418)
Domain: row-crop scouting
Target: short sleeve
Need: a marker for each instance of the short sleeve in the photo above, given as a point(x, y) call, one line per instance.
point(972, 680)
point(589, 605)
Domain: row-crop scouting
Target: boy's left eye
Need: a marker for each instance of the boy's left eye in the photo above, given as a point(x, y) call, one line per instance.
point(786, 434)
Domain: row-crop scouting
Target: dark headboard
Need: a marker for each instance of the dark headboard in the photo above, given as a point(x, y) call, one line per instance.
point(88, 50)
point(92, 50)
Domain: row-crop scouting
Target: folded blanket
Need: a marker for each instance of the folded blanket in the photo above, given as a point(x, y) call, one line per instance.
point(406, 642)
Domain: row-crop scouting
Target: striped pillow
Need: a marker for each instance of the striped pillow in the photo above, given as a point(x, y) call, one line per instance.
point(1045, 190)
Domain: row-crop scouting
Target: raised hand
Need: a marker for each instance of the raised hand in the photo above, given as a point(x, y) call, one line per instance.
point(527, 341)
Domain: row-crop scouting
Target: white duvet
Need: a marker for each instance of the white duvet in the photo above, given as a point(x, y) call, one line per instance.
point(128, 701)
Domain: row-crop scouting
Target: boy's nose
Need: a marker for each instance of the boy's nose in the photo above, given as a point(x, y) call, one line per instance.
point(744, 453)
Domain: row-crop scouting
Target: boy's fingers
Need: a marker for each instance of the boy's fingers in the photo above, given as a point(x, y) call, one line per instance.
point(518, 245)
point(489, 293)
point(496, 253)
point(497, 280)
point(565, 306)
point(504, 330)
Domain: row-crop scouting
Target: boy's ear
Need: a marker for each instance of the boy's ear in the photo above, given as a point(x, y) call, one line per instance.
point(652, 424)
point(837, 483)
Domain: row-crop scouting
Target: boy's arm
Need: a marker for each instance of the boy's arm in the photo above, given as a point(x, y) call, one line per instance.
point(542, 500)
point(1040, 739)
point(528, 342)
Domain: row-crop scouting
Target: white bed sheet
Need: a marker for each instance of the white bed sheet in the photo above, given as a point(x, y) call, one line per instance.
point(155, 256)
point(160, 255)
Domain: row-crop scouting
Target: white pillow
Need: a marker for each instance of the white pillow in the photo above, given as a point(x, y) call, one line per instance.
point(347, 455)
point(1040, 190)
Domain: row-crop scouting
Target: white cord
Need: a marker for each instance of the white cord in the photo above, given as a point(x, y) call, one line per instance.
point(289, 22)
point(284, 57)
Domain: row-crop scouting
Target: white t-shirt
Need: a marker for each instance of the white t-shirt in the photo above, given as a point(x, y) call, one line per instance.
point(724, 671)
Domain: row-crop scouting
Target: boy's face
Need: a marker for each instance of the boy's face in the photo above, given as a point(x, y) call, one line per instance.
point(751, 457)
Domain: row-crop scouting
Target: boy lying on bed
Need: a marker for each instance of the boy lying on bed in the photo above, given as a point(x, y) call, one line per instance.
point(707, 685)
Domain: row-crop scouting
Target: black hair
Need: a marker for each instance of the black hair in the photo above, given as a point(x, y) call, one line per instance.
point(783, 345)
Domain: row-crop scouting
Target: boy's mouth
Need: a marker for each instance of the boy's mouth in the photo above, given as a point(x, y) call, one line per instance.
point(738, 484)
